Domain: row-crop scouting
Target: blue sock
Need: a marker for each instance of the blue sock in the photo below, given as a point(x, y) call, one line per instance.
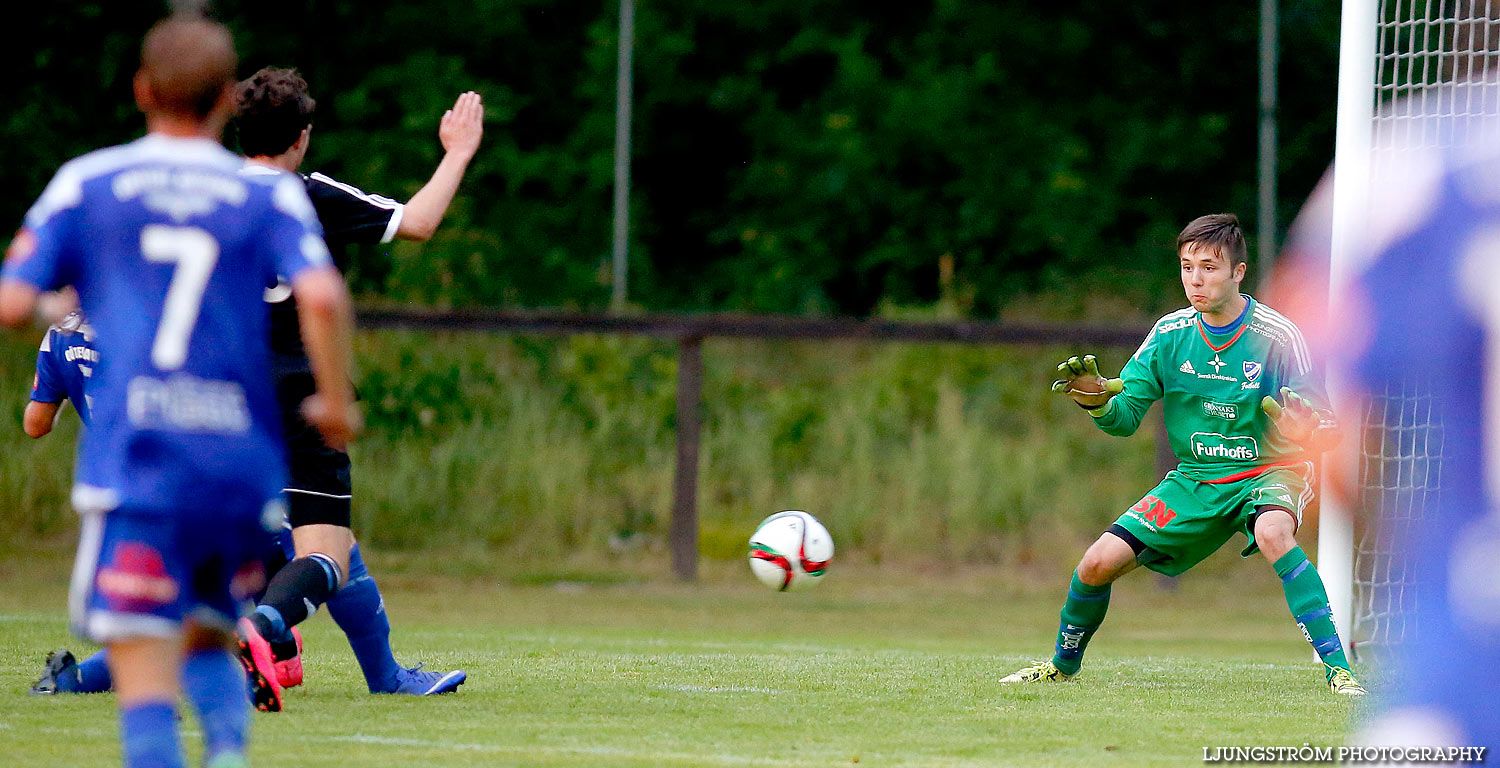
point(93, 675)
point(148, 736)
point(360, 612)
point(215, 684)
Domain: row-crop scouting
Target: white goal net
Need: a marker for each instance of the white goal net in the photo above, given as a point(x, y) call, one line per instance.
point(1400, 478)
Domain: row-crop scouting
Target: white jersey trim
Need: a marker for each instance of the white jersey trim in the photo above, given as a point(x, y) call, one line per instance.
point(316, 493)
point(259, 169)
point(1295, 342)
point(397, 209)
point(92, 498)
point(395, 224)
point(80, 589)
point(107, 626)
point(1180, 314)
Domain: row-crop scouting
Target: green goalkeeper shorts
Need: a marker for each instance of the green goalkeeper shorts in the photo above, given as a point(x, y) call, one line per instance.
point(1182, 521)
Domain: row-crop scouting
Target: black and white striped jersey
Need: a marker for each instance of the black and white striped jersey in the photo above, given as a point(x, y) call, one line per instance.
point(350, 216)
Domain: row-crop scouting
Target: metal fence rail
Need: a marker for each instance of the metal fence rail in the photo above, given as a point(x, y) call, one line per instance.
point(753, 326)
point(689, 331)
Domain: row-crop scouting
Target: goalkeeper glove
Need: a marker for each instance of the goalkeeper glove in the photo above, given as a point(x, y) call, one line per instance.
point(1081, 380)
point(1297, 420)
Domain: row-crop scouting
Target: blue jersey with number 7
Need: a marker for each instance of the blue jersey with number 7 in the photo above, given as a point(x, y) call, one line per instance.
point(170, 248)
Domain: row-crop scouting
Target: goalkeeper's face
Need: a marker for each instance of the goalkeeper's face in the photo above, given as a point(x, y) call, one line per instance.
point(1210, 281)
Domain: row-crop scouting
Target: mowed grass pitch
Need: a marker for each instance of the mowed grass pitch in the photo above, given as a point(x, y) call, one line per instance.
point(873, 668)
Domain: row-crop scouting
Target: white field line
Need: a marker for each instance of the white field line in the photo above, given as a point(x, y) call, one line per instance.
point(682, 757)
point(719, 689)
point(631, 754)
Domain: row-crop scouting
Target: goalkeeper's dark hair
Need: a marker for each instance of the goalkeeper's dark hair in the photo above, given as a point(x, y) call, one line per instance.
point(1220, 232)
point(273, 108)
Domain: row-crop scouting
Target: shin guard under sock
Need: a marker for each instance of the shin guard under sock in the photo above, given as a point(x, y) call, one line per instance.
point(1308, 601)
point(1080, 619)
point(359, 610)
point(294, 594)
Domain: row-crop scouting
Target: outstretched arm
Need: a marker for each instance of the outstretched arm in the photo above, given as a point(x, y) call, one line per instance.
point(460, 132)
point(1117, 405)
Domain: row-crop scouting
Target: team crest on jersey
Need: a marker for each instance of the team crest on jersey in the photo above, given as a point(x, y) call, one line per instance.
point(1252, 370)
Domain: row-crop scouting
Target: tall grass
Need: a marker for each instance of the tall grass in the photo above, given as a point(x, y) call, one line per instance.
point(542, 449)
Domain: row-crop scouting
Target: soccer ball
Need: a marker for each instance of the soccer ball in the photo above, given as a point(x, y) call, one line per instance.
point(790, 551)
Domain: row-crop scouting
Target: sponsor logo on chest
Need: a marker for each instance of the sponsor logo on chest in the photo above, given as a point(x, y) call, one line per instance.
point(1212, 445)
point(1228, 411)
point(1216, 365)
point(81, 353)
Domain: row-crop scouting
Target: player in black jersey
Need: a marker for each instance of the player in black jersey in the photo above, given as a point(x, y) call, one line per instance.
point(274, 125)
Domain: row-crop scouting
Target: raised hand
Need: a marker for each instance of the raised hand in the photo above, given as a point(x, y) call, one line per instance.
point(463, 126)
point(1298, 422)
point(1079, 378)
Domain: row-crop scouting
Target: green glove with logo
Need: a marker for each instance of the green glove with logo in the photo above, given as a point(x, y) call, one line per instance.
point(1079, 378)
point(1316, 431)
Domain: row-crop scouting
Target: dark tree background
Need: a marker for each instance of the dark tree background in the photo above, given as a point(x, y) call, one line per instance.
point(796, 157)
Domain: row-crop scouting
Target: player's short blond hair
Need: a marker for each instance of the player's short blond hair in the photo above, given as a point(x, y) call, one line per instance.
point(188, 62)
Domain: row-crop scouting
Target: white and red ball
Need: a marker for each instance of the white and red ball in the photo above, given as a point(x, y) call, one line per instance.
point(790, 551)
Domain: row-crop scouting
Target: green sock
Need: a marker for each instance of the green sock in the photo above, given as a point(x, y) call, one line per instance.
point(1308, 601)
point(1081, 616)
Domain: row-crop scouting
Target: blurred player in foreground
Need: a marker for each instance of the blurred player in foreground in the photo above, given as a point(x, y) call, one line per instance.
point(179, 474)
point(64, 366)
point(274, 123)
point(1246, 414)
point(1422, 319)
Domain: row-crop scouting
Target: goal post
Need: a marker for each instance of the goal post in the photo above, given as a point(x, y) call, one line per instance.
point(1351, 184)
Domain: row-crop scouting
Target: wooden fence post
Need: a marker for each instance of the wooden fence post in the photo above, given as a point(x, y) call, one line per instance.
point(684, 529)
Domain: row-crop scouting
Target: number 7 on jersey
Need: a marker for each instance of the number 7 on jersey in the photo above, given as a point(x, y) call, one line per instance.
point(194, 252)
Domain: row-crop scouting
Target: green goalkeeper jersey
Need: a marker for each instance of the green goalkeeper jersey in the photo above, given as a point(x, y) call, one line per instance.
point(1211, 385)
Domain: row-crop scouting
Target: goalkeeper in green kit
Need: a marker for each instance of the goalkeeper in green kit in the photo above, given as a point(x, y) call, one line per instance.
point(1246, 414)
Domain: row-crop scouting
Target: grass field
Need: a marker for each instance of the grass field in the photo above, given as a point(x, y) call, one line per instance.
point(874, 668)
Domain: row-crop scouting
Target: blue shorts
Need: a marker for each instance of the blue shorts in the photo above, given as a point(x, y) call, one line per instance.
point(142, 573)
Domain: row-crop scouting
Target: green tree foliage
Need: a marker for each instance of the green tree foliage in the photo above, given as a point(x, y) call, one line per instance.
point(790, 156)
